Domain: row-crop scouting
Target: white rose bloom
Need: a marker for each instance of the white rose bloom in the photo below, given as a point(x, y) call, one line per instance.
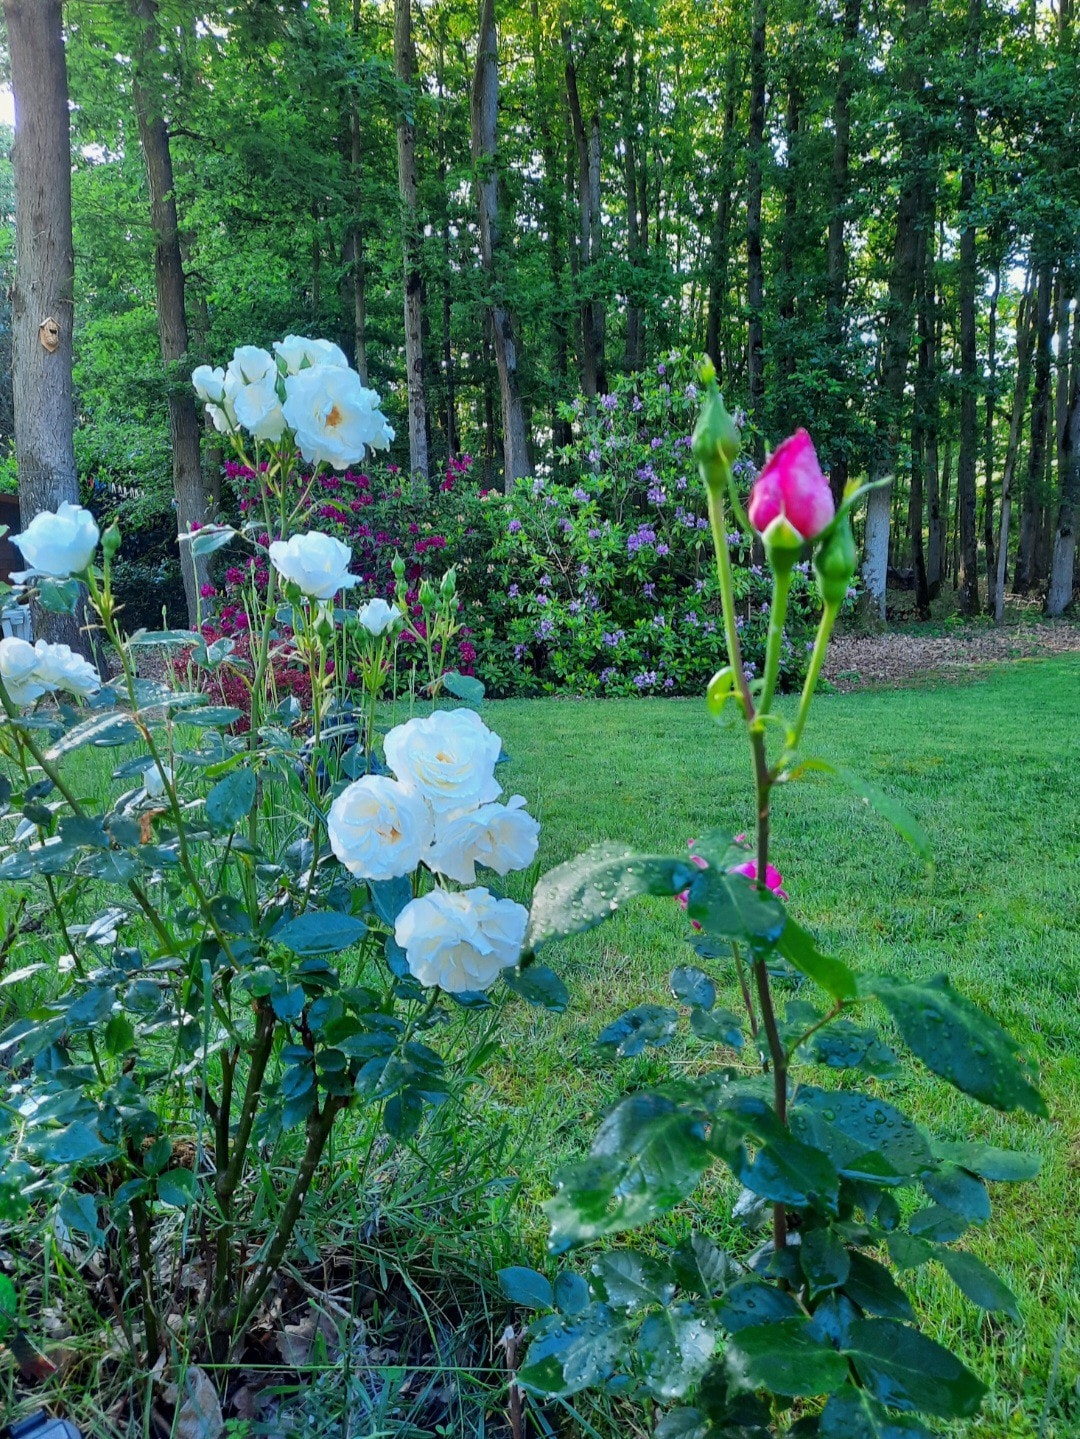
point(296, 352)
point(251, 393)
point(501, 836)
point(209, 384)
point(377, 829)
point(59, 544)
point(449, 757)
point(461, 942)
point(59, 668)
point(154, 780)
point(384, 439)
point(377, 616)
point(18, 664)
point(332, 415)
point(317, 563)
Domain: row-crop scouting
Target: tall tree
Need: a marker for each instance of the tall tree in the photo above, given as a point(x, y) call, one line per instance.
point(967, 279)
point(43, 298)
point(405, 69)
point(755, 282)
point(484, 115)
point(184, 423)
point(1062, 564)
point(587, 147)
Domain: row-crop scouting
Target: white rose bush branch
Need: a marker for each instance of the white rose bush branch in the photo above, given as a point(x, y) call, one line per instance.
point(262, 930)
point(808, 1331)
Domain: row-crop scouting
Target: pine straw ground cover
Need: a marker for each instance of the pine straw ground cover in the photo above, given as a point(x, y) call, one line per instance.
point(390, 1321)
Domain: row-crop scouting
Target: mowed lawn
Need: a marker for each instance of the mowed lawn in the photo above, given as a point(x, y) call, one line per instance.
point(989, 768)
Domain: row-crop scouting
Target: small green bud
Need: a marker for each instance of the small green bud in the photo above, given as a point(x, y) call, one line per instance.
point(448, 588)
point(398, 567)
point(835, 562)
point(716, 440)
point(324, 624)
point(427, 595)
point(110, 541)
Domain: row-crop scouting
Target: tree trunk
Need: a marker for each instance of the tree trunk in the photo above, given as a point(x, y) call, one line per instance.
point(1062, 564)
point(721, 235)
point(897, 337)
point(184, 424)
point(405, 69)
point(988, 438)
point(967, 279)
point(44, 277)
point(635, 319)
point(1024, 574)
point(484, 116)
point(1026, 325)
point(836, 263)
point(594, 380)
point(789, 234)
point(755, 275)
point(925, 387)
point(358, 273)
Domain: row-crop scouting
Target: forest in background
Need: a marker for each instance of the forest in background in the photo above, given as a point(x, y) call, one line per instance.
point(866, 213)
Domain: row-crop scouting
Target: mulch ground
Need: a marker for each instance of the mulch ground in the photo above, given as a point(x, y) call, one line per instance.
point(901, 658)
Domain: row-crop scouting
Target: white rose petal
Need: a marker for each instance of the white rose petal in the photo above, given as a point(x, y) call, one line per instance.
point(449, 757)
point(251, 393)
point(59, 544)
point(154, 780)
point(501, 836)
point(377, 829)
point(209, 383)
point(297, 352)
point(461, 942)
point(332, 415)
point(377, 616)
point(18, 664)
point(59, 668)
point(317, 563)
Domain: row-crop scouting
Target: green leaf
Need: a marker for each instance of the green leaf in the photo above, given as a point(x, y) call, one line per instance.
point(403, 1113)
point(9, 1307)
point(692, 986)
point(211, 716)
point(208, 539)
point(59, 597)
point(751, 1302)
point(674, 1348)
point(526, 1287)
point(647, 1024)
point(979, 1282)
point(119, 1035)
point(954, 1188)
point(785, 1358)
point(319, 932)
point(570, 1356)
point(539, 985)
point(843, 1045)
point(464, 687)
point(164, 637)
point(871, 1286)
point(177, 1187)
point(389, 897)
point(729, 906)
point(702, 1267)
point(231, 799)
point(906, 1370)
point(632, 1281)
point(572, 1294)
point(798, 948)
point(114, 728)
point(959, 1042)
point(718, 1026)
point(901, 819)
point(647, 1155)
point(851, 1414)
point(583, 892)
point(871, 1126)
point(77, 1144)
point(824, 1258)
point(997, 1165)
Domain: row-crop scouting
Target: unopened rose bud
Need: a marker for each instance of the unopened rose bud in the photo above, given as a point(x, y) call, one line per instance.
point(110, 541)
point(448, 589)
point(324, 625)
point(835, 562)
point(716, 440)
point(426, 595)
point(791, 502)
point(398, 567)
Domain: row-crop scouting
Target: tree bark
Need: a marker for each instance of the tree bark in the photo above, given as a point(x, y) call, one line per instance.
point(1024, 574)
point(635, 318)
point(587, 145)
point(44, 276)
point(184, 424)
point(1062, 565)
point(405, 69)
point(720, 245)
point(967, 279)
point(484, 116)
point(1026, 324)
point(988, 437)
point(836, 261)
point(755, 274)
point(897, 337)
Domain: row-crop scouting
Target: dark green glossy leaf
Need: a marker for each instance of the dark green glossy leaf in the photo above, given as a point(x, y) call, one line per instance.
point(824, 1259)
point(539, 985)
point(957, 1040)
point(851, 1414)
point(572, 1295)
point(871, 1286)
point(785, 1359)
point(631, 1281)
point(730, 906)
point(905, 1370)
point(389, 897)
point(526, 1287)
point(871, 1125)
point(647, 1024)
point(981, 1285)
point(59, 597)
point(843, 1045)
point(77, 1144)
point(83, 829)
point(177, 1187)
point(211, 717)
point(996, 1165)
point(798, 948)
point(674, 1349)
point(319, 932)
point(751, 1302)
point(583, 892)
point(231, 799)
point(718, 1026)
point(692, 986)
point(965, 1194)
point(702, 1267)
point(568, 1356)
point(403, 1113)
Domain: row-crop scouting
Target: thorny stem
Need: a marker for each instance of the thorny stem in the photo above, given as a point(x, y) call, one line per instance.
point(821, 644)
point(718, 527)
point(777, 615)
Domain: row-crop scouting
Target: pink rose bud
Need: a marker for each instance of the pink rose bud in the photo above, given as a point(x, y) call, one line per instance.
point(773, 877)
point(791, 502)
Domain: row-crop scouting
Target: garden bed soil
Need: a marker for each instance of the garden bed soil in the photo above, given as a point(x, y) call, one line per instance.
point(902, 657)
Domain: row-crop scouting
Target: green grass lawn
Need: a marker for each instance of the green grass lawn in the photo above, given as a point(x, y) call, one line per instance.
point(988, 768)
